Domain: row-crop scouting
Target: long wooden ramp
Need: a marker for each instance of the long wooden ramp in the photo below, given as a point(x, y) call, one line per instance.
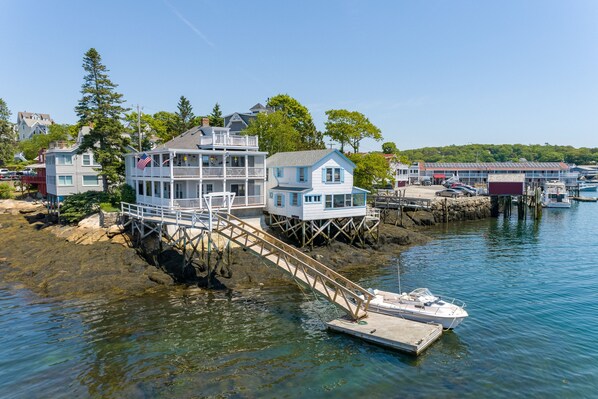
point(339, 290)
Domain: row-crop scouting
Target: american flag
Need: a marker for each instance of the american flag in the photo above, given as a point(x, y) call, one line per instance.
point(143, 161)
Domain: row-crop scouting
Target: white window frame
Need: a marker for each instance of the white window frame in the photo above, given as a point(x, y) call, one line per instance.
point(90, 159)
point(65, 183)
point(90, 185)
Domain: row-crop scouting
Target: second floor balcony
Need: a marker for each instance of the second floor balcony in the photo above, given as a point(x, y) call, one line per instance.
point(225, 140)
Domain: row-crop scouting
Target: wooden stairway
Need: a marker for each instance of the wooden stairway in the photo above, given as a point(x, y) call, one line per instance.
point(339, 290)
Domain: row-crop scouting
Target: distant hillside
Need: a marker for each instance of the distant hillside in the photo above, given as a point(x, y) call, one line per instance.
point(504, 152)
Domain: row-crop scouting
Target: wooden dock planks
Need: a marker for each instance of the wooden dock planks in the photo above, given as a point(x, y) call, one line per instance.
point(390, 331)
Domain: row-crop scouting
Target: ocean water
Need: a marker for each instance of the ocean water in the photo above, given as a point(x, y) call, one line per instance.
point(531, 289)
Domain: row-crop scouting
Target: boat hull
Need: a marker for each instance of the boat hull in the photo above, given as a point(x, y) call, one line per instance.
point(447, 323)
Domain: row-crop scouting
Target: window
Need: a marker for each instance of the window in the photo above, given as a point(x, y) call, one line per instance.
point(302, 175)
point(63, 159)
point(328, 203)
point(279, 201)
point(148, 188)
point(166, 190)
point(238, 189)
point(294, 199)
point(271, 195)
point(279, 172)
point(140, 188)
point(332, 175)
point(87, 160)
point(338, 201)
point(209, 188)
point(312, 199)
point(157, 189)
point(90, 181)
point(65, 180)
point(358, 199)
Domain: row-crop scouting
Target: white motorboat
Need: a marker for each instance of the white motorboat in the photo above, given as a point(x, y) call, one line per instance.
point(555, 195)
point(419, 305)
point(586, 186)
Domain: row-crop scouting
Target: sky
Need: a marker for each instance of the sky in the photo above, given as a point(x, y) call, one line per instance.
point(427, 73)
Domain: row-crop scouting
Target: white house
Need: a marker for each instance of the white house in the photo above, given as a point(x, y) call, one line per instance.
point(68, 172)
point(203, 160)
point(30, 123)
point(313, 185)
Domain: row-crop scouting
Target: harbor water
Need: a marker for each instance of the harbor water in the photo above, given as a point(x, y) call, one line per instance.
point(531, 289)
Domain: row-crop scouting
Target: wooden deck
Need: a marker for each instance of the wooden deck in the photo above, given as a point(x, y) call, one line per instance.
point(390, 331)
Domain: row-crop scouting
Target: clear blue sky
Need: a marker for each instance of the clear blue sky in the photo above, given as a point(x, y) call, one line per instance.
point(425, 72)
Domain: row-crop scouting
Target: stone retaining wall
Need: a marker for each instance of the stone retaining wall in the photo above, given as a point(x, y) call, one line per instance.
point(456, 209)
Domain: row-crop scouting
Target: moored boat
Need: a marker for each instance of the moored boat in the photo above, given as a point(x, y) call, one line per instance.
point(586, 186)
point(555, 195)
point(419, 305)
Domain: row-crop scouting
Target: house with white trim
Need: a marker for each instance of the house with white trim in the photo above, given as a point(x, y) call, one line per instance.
point(68, 172)
point(30, 124)
point(202, 160)
point(313, 185)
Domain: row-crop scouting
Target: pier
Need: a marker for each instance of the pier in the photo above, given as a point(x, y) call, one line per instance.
point(187, 230)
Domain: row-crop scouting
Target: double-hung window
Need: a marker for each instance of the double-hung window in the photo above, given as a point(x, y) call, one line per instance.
point(90, 180)
point(87, 160)
point(333, 175)
point(302, 174)
point(63, 159)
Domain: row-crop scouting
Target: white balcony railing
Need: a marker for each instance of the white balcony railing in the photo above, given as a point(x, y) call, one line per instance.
point(194, 172)
point(226, 140)
point(238, 202)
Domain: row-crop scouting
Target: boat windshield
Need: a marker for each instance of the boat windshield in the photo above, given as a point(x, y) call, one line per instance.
point(421, 292)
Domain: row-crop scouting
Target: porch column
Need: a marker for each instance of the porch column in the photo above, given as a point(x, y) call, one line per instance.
point(247, 180)
point(171, 201)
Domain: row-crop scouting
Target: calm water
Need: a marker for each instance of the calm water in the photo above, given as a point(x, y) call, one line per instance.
point(531, 291)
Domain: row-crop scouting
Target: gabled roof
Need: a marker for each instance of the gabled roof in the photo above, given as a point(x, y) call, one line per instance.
point(28, 118)
point(258, 107)
point(300, 158)
point(187, 140)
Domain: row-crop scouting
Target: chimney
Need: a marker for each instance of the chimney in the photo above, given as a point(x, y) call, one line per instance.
point(205, 122)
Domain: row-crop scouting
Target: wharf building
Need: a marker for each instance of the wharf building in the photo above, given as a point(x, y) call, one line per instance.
point(536, 173)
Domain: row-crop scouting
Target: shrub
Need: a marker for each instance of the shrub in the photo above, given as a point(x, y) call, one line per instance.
point(122, 193)
point(6, 191)
point(78, 206)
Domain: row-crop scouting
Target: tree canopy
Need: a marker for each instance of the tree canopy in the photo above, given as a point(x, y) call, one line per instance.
point(350, 128)
point(185, 117)
point(300, 118)
point(371, 169)
point(8, 137)
point(56, 132)
point(215, 117)
point(100, 108)
point(389, 148)
point(504, 153)
point(275, 133)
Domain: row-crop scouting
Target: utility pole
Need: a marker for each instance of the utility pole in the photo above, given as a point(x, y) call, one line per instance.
point(139, 126)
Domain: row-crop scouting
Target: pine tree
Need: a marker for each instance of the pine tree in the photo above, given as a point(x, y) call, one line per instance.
point(8, 141)
point(216, 118)
point(184, 115)
point(100, 107)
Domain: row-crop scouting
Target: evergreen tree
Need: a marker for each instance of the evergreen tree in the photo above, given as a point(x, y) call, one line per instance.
point(8, 139)
point(100, 107)
point(216, 118)
point(185, 117)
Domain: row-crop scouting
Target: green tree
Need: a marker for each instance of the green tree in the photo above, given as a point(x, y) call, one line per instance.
point(164, 124)
point(56, 132)
point(350, 127)
point(275, 133)
point(100, 107)
point(8, 137)
point(389, 148)
point(215, 117)
point(300, 118)
point(184, 115)
point(371, 169)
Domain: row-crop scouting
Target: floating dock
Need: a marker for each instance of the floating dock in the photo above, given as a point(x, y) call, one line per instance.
point(390, 331)
point(585, 199)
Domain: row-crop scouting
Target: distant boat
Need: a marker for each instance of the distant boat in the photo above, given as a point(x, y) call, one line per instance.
point(419, 305)
point(555, 195)
point(586, 186)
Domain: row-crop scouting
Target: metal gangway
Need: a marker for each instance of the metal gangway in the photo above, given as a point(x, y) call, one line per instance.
point(305, 270)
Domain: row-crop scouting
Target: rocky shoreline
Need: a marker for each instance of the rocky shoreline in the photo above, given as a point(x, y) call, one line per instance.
point(87, 261)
